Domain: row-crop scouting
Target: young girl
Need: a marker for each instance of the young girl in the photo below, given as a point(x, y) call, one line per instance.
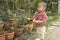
point(40, 18)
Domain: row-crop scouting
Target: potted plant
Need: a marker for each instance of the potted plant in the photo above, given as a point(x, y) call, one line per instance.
point(2, 35)
point(18, 30)
point(13, 17)
point(29, 25)
point(9, 31)
point(9, 35)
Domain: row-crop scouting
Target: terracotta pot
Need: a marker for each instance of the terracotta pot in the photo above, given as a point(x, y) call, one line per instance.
point(12, 20)
point(9, 35)
point(30, 26)
point(2, 37)
point(19, 31)
point(1, 26)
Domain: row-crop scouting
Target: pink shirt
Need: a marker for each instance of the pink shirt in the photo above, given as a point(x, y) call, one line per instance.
point(41, 16)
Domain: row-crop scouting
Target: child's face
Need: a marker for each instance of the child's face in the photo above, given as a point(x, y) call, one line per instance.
point(40, 8)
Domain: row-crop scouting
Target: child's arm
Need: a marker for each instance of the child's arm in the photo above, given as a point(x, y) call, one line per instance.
point(37, 21)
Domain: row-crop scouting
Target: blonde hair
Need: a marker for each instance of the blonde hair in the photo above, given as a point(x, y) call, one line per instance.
point(43, 3)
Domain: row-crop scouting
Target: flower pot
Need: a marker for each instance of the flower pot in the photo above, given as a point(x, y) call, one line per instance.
point(2, 37)
point(11, 20)
point(19, 31)
point(30, 26)
point(9, 35)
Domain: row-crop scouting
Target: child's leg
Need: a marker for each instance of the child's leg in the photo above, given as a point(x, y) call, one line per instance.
point(41, 32)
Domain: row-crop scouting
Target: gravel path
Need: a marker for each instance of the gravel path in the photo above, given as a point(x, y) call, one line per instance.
point(53, 31)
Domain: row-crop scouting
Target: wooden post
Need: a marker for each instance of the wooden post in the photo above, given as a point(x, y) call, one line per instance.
point(58, 6)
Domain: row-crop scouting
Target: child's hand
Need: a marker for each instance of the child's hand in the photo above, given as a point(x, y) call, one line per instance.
point(37, 21)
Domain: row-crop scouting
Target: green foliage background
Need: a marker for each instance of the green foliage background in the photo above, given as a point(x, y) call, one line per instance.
point(26, 7)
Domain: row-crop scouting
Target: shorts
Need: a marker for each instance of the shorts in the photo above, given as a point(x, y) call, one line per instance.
point(41, 32)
